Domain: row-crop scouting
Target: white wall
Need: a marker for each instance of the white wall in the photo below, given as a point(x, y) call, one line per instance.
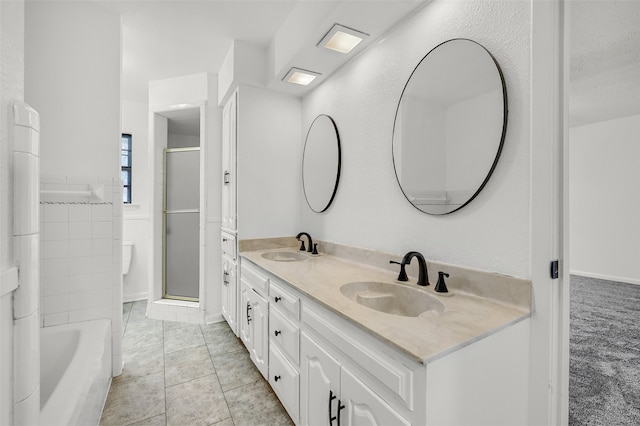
point(491, 233)
point(72, 67)
point(72, 78)
point(135, 121)
point(11, 89)
point(605, 199)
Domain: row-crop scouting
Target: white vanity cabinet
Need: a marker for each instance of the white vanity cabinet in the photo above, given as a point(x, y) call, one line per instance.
point(230, 292)
point(284, 346)
point(331, 394)
point(254, 316)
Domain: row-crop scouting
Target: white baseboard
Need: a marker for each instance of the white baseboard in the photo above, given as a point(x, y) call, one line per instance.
point(606, 277)
point(135, 296)
point(213, 318)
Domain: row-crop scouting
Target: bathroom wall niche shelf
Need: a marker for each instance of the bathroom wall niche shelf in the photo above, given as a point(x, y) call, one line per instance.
point(94, 191)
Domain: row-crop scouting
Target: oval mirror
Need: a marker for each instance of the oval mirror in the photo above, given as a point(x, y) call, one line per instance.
point(450, 126)
point(321, 163)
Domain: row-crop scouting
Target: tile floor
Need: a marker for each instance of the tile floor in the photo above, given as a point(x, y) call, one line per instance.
point(184, 374)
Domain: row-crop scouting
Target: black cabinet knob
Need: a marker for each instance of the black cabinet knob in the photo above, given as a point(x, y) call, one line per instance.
point(276, 378)
point(277, 299)
point(277, 332)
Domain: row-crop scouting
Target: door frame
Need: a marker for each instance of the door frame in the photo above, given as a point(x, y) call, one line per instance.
point(158, 136)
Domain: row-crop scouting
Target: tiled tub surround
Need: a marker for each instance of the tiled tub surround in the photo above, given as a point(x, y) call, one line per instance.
point(81, 255)
point(479, 303)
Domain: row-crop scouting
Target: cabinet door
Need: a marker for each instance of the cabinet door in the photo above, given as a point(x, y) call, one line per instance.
point(260, 333)
point(229, 123)
point(246, 315)
point(362, 406)
point(319, 384)
point(229, 293)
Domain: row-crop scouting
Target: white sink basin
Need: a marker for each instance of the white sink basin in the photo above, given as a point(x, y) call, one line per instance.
point(285, 256)
point(394, 299)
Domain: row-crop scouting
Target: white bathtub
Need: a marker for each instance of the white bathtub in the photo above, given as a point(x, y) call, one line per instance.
point(75, 372)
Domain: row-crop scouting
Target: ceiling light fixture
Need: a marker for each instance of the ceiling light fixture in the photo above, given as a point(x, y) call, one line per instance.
point(342, 39)
point(300, 76)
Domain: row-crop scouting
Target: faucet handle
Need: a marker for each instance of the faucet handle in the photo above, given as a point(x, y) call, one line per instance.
point(403, 273)
point(302, 247)
point(441, 287)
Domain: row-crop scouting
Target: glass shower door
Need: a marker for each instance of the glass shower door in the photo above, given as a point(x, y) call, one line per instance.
point(181, 275)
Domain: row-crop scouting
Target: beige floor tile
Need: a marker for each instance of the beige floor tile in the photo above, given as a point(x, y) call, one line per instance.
point(134, 400)
point(182, 338)
point(187, 364)
point(198, 402)
point(141, 362)
point(160, 420)
point(132, 342)
point(256, 404)
point(235, 369)
point(221, 339)
point(225, 422)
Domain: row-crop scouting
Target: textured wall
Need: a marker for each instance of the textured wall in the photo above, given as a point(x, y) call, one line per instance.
point(491, 233)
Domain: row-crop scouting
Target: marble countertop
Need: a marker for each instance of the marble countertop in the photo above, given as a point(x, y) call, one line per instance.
point(467, 317)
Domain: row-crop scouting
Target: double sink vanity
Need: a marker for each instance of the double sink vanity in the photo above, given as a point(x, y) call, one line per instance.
point(342, 341)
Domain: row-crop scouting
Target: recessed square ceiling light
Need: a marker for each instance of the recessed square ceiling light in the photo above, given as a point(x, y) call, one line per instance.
point(300, 76)
point(342, 39)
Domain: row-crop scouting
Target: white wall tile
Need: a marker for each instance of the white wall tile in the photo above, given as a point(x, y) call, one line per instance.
point(80, 301)
point(102, 297)
point(27, 411)
point(55, 285)
point(102, 280)
point(27, 295)
point(101, 230)
point(55, 267)
point(58, 249)
point(79, 283)
point(79, 213)
point(56, 213)
point(79, 249)
point(101, 263)
point(101, 247)
point(101, 312)
point(80, 315)
point(27, 356)
point(101, 212)
point(80, 266)
point(79, 230)
point(56, 304)
point(56, 319)
point(55, 231)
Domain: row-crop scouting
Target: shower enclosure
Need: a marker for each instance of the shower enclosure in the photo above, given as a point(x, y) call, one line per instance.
point(181, 223)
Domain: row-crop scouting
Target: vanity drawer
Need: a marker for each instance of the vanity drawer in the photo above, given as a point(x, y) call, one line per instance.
point(254, 277)
point(228, 244)
point(284, 299)
point(285, 382)
point(286, 334)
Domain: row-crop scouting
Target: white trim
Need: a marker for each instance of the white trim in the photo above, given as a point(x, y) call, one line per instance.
point(8, 281)
point(626, 280)
point(214, 318)
point(135, 296)
point(135, 217)
point(217, 219)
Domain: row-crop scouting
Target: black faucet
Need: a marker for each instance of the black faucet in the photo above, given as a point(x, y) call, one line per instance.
point(423, 276)
point(302, 247)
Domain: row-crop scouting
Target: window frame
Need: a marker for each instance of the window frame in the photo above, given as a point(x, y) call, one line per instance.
point(126, 168)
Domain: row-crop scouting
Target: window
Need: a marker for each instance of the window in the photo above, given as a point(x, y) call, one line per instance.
point(125, 162)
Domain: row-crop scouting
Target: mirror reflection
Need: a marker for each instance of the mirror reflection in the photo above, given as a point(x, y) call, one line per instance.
point(321, 163)
point(449, 126)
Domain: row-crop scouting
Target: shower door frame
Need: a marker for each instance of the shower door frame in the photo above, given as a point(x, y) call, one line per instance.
point(166, 295)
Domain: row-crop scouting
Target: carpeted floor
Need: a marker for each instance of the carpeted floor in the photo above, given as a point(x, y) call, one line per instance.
point(604, 383)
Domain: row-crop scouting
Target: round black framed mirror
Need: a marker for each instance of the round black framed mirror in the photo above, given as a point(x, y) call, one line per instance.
point(321, 163)
point(450, 126)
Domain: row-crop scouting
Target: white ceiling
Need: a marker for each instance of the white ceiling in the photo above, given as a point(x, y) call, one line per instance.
point(170, 38)
point(605, 60)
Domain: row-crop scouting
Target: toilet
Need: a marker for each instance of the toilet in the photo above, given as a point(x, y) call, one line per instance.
point(127, 250)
